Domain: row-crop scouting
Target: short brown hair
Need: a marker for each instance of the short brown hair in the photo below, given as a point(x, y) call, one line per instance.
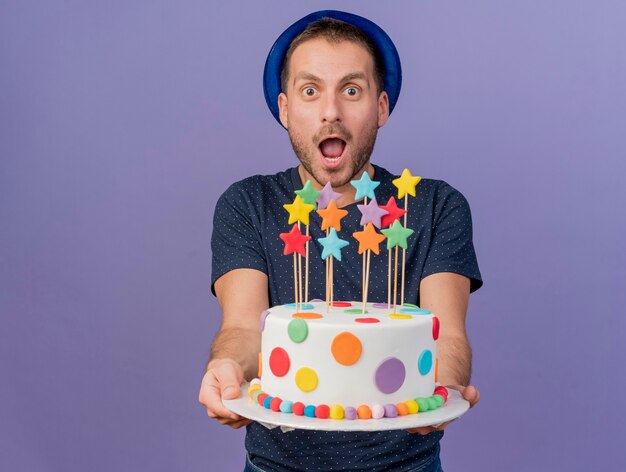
point(335, 31)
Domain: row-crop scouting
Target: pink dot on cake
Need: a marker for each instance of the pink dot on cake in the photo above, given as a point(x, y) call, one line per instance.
point(279, 362)
point(390, 375)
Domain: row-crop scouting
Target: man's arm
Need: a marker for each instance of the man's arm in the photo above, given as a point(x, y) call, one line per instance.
point(446, 294)
point(243, 295)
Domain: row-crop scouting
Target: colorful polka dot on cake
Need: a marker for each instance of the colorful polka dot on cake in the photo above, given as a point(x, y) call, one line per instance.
point(435, 328)
point(346, 348)
point(262, 319)
point(279, 362)
point(390, 375)
point(425, 361)
point(342, 304)
point(307, 316)
point(306, 379)
point(298, 330)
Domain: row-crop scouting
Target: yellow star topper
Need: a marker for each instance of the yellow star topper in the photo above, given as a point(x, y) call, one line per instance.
point(298, 210)
point(406, 183)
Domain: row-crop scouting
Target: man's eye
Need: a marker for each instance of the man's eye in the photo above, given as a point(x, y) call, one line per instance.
point(352, 91)
point(309, 91)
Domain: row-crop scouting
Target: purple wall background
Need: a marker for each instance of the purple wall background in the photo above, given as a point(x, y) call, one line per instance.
point(122, 122)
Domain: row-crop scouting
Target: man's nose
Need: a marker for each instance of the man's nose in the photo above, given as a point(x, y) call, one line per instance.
point(331, 109)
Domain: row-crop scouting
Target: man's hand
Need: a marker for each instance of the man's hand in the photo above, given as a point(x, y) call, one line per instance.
point(222, 380)
point(470, 393)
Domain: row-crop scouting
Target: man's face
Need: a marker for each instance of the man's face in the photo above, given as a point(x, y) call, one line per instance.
point(332, 109)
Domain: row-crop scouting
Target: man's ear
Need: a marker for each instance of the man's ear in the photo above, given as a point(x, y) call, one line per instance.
point(282, 107)
point(383, 108)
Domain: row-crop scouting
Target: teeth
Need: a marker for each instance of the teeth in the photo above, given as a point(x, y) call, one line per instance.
point(331, 159)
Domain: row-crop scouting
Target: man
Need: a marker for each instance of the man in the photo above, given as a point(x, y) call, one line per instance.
point(332, 80)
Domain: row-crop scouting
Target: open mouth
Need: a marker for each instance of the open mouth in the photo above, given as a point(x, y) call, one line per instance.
point(332, 150)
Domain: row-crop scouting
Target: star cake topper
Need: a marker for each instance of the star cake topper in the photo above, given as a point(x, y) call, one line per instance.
point(326, 195)
point(332, 245)
point(294, 241)
point(369, 239)
point(393, 213)
point(308, 194)
point(397, 235)
point(371, 213)
point(364, 187)
point(331, 216)
point(298, 210)
point(406, 183)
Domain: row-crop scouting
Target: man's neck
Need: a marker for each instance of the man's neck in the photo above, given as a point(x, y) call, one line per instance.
point(347, 191)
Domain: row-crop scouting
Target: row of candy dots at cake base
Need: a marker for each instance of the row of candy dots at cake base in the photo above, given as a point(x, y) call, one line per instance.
point(338, 412)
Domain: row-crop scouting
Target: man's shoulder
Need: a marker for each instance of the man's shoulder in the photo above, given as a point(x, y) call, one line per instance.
point(260, 186)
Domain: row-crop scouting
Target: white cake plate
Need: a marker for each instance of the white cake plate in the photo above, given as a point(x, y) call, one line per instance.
point(244, 406)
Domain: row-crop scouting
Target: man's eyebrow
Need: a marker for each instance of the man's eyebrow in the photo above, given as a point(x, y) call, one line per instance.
point(306, 76)
point(315, 78)
point(354, 76)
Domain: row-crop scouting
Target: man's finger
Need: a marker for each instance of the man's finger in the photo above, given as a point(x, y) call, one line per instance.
point(211, 397)
point(229, 379)
point(423, 430)
point(469, 393)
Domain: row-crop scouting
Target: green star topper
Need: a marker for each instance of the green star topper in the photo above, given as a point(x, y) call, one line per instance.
point(397, 235)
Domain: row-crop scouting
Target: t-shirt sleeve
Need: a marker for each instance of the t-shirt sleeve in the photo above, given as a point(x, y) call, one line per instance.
point(236, 242)
point(452, 248)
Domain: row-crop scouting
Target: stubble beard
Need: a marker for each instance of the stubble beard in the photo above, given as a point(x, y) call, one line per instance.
point(359, 157)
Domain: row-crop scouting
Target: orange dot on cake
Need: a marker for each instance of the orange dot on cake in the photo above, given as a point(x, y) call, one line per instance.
point(346, 348)
point(307, 316)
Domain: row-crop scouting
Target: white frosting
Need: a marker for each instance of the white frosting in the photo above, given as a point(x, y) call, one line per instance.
point(404, 339)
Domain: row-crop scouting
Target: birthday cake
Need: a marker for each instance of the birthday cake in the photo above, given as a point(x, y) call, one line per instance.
point(348, 360)
point(342, 364)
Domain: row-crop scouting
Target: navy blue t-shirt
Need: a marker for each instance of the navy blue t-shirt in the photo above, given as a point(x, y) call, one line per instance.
point(248, 219)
